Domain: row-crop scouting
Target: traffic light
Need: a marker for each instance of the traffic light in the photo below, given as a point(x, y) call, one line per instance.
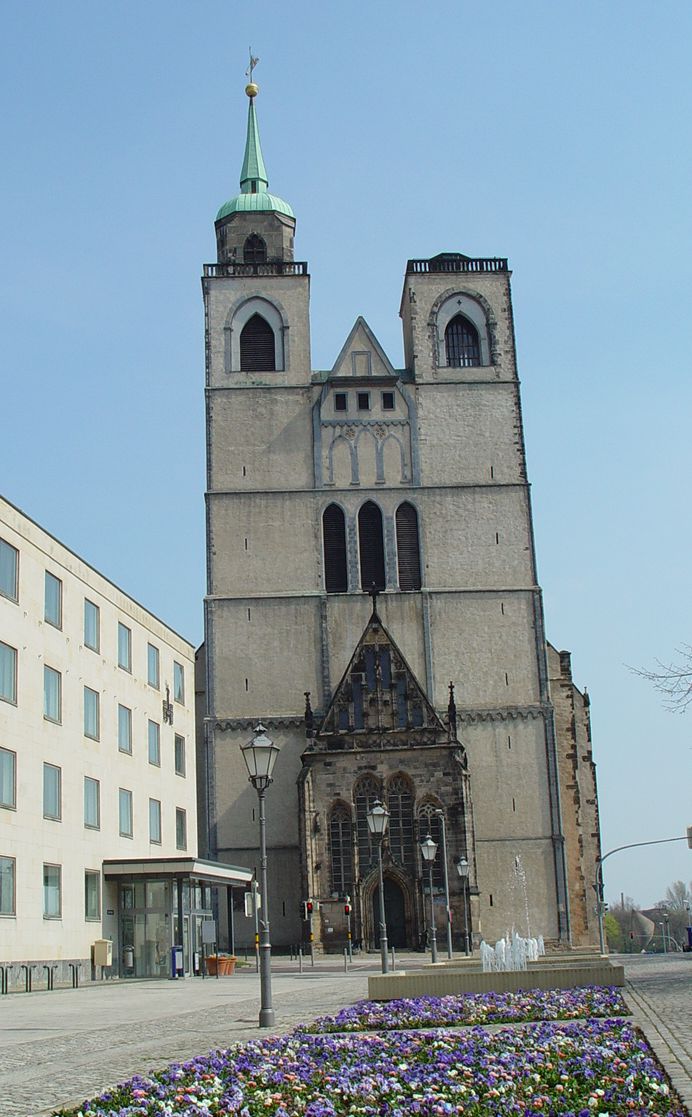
point(347, 909)
point(308, 908)
point(689, 837)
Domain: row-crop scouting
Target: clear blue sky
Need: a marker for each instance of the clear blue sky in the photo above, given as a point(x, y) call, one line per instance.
point(556, 134)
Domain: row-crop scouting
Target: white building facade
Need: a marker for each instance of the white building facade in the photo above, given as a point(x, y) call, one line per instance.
point(98, 816)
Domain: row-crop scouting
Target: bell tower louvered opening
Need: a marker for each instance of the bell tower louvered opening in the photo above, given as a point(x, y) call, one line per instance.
point(462, 345)
point(408, 547)
point(254, 250)
point(371, 546)
point(257, 348)
point(334, 537)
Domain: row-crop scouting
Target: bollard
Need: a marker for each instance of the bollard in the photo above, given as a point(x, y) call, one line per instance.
point(75, 967)
point(312, 953)
point(5, 979)
point(300, 959)
point(345, 960)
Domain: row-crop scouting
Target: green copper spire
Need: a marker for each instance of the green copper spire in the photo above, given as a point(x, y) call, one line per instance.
point(253, 176)
point(254, 196)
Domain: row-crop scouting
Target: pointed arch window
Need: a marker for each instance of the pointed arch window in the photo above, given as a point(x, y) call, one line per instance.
point(408, 547)
point(341, 850)
point(462, 344)
point(257, 346)
point(254, 250)
point(334, 540)
point(400, 828)
point(430, 823)
point(366, 792)
point(371, 547)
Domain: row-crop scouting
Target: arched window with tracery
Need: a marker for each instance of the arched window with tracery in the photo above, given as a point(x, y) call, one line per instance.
point(462, 344)
point(400, 828)
point(408, 547)
point(371, 547)
point(257, 349)
point(366, 792)
point(430, 823)
point(341, 849)
point(334, 541)
point(254, 250)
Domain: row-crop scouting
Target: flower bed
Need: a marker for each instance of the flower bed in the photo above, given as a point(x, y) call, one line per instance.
point(580, 1069)
point(475, 1008)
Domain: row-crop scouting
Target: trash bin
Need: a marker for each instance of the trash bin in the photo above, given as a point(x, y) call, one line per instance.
point(129, 957)
point(177, 962)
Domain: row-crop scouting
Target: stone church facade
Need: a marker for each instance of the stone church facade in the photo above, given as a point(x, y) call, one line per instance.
point(369, 543)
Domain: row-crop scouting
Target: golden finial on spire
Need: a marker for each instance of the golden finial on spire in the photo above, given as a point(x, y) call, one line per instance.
point(252, 89)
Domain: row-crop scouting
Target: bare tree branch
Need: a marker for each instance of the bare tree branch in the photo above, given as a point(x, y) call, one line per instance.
point(672, 680)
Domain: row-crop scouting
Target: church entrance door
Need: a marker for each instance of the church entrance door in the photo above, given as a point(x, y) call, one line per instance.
point(394, 913)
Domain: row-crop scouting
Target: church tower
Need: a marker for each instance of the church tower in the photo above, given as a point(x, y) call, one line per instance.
point(369, 542)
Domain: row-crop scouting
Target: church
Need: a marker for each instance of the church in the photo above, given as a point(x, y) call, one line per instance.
point(373, 601)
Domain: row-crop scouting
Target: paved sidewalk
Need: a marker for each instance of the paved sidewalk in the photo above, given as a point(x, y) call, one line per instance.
point(61, 1047)
point(659, 992)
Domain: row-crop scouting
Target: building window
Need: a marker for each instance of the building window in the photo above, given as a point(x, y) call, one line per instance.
point(371, 547)
point(334, 538)
point(9, 571)
point(91, 713)
point(429, 823)
point(341, 850)
point(124, 647)
point(154, 743)
point(388, 401)
point(179, 755)
point(52, 694)
point(363, 401)
point(8, 778)
point(92, 803)
point(408, 547)
point(461, 343)
point(155, 821)
point(52, 892)
point(92, 625)
point(340, 401)
point(180, 828)
point(257, 351)
point(153, 666)
point(254, 250)
point(366, 792)
point(179, 683)
point(7, 886)
point(124, 729)
point(400, 827)
point(52, 600)
point(52, 798)
point(125, 812)
point(92, 894)
point(8, 673)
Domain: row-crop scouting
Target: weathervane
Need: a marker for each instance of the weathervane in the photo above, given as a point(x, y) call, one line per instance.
point(253, 63)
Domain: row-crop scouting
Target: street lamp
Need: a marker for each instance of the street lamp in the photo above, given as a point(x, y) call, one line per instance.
point(428, 850)
point(378, 817)
point(439, 813)
point(260, 756)
point(463, 871)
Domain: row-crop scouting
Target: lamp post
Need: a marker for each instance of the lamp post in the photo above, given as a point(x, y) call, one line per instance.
point(378, 817)
point(260, 756)
point(439, 813)
point(428, 850)
point(463, 871)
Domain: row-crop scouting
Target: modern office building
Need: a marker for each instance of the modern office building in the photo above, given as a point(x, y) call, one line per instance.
point(98, 811)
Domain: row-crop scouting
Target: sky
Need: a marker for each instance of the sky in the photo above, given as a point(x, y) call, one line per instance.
point(555, 134)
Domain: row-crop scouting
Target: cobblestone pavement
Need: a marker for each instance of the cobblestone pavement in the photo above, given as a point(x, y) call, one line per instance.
point(659, 992)
point(60, 1047)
